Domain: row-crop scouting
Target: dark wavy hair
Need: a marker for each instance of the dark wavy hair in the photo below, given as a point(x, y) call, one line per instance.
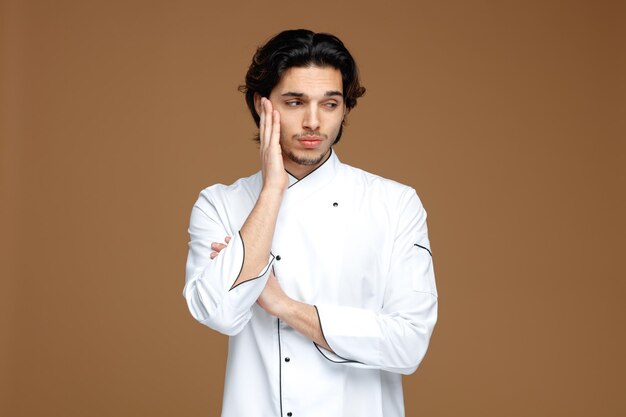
point(300, 48)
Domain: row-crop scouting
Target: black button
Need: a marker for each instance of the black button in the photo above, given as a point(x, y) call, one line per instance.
point(278, 257)
point(335, 204)
point(287, 359)
point(289, 414)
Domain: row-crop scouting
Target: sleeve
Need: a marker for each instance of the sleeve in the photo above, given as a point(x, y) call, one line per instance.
point(396, 338)
point(209, 291)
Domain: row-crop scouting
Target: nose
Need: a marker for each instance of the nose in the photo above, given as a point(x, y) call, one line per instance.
point(311, 118)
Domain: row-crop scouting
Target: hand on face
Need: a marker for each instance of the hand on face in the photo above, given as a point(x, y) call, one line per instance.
point(274, 174)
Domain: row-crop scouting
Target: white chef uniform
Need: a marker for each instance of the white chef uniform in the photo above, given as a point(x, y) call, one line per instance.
point(351, 243)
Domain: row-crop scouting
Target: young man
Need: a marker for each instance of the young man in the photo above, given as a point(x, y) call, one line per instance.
point(320, 273)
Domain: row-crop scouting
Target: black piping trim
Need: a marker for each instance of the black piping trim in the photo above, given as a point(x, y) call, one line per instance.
point(324, 336)
point(298, 180)
point(424, 247)
point(293, 177)
point(241, 269)
point(280, 370)
point(333, 361)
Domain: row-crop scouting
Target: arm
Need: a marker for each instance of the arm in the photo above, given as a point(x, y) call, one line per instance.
point(300, 316)
point(258, 229)
point(220, 290)
point(395, 338)
point(303, 317)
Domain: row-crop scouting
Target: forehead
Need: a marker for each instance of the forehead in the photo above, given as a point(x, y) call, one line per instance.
point(310, 80)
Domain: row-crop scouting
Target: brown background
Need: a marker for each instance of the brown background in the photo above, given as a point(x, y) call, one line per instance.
point(507, 117)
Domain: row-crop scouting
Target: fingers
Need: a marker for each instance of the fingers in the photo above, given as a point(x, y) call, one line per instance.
point(262, 123)
point(217, 247)
point(269, 125)
point(266, 123)
point(275, 138)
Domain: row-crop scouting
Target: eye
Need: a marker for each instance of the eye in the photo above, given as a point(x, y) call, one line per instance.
point(331, 104)
point(293, 103)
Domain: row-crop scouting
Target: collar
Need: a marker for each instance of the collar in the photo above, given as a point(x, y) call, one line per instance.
point(314, 180)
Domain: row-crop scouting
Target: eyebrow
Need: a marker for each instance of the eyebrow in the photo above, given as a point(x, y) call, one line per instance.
point(327, 94)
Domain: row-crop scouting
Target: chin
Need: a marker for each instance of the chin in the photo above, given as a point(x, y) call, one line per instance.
point(308, 157)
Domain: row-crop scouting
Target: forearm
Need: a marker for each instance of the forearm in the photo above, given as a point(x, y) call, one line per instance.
point(395, 339)
point(257, 233)
point(304, 319)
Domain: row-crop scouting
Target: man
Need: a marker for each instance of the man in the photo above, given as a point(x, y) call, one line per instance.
point(320, 273)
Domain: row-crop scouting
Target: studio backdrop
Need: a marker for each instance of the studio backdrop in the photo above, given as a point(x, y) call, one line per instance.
point(508, 118)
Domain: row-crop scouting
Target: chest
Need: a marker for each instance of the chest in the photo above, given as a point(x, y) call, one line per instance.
point(334, 248)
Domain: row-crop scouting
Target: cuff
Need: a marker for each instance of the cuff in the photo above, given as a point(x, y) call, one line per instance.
point(353, 334)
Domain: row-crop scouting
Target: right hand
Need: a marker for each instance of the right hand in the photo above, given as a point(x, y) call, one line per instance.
point(274, 174)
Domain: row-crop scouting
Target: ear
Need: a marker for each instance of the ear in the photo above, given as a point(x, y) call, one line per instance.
point(257, 103)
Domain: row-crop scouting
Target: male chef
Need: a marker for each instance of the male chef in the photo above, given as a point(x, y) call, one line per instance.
point(320, 273)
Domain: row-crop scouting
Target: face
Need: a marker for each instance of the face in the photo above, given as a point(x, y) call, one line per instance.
point(311, 107)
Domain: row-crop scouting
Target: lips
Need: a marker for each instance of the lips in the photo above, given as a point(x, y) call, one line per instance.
point(310, 141)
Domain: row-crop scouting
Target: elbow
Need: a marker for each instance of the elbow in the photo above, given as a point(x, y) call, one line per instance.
point(227, 324)
point(407, 371)
point(409, 363)
point(407, 352)
point(414, 359)
point(216, 315)
point(418, 334)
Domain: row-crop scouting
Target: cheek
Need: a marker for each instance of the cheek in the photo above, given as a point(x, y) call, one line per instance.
point(334, 122)
point(287, 124)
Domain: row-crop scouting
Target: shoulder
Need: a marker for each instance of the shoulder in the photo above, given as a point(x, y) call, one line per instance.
point(380, 188)
point(396, 206)
point(220, 194)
